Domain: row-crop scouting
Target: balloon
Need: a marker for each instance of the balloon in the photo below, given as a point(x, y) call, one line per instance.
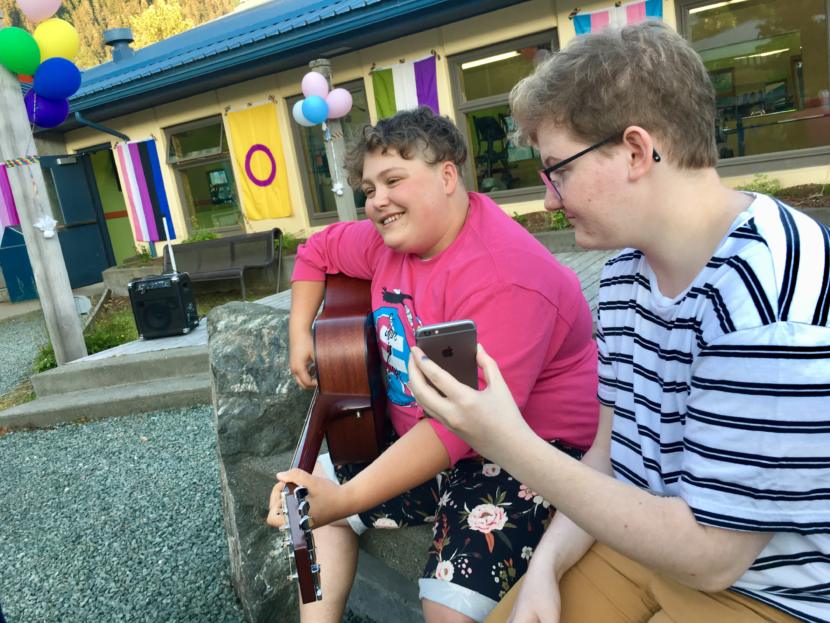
point(39, 10)
point(340, 103)
point(57, 38)
point(18, 51)
point(315, 109)
point(315, 84)
point(297, 112)
point(57, 79)
point(45, 112)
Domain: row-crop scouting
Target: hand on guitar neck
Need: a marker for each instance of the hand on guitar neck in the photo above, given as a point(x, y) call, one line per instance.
point(334, 507)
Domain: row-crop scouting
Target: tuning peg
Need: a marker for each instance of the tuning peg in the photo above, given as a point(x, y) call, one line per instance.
point(318, 594)
point(286, 542)
point(306, 523)
point(300, 492)
point(303, 507)
point(315, 568)
point(292, 577)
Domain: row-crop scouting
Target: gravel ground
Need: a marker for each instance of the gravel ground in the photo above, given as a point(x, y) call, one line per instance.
point(114, 520)
point(20, 339)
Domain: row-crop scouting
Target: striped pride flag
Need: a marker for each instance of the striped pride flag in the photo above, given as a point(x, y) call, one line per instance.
point(143, 186)
point(8, 209)
point(618, 16)
point(406, 85)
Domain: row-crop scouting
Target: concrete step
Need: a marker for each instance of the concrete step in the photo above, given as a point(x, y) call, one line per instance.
point(103, 401)
point(83, 375)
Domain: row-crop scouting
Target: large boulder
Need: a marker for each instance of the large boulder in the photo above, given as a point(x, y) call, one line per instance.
point(259, 414)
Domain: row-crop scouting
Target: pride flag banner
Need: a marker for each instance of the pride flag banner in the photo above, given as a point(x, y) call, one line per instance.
point(259, 162)
point(140, 172)
point(8, 209)
point(618, 16)
point(406, 85)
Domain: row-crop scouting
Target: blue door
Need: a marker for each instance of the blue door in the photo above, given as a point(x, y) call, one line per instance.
point(82, 229)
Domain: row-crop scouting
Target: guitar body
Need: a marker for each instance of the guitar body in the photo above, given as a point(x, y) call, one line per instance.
point(348, 408)
point(349, 380)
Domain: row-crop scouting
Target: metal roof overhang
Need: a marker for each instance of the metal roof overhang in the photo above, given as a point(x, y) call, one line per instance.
point(354, 30)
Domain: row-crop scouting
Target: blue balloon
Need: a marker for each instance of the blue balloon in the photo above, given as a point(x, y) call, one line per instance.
point(57, 78)
point(315, 109)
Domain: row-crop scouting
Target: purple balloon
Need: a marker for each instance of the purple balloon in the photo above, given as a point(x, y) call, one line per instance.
point(57, 79)
point(45, 112)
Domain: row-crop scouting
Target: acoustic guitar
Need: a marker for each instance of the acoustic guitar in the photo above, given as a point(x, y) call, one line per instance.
point(348, 408)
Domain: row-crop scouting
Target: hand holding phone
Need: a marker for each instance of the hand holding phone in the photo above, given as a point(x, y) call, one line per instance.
point(452, 345)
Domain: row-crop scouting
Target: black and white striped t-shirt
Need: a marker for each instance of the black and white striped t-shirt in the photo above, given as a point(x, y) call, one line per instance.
point(721, 395)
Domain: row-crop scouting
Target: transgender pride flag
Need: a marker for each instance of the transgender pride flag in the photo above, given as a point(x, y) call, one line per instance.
point(618, 16)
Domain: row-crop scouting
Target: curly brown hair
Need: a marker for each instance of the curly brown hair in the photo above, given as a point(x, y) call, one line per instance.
point(416, 133)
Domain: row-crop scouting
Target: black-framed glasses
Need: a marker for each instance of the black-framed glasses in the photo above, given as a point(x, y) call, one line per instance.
point(554, 183)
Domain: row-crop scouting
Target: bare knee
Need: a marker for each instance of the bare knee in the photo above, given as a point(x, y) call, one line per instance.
point(439, 613)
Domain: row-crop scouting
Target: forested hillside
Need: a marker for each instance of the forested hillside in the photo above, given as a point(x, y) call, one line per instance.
point(92, 17)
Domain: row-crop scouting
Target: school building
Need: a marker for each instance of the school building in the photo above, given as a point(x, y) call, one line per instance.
point(171, 106)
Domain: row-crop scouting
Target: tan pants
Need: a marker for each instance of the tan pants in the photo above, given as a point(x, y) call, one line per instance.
point(606, 587)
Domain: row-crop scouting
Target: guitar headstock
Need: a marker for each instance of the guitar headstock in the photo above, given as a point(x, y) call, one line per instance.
point(299, 542)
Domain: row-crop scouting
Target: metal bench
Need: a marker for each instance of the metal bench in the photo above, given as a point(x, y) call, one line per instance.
point(227, 258)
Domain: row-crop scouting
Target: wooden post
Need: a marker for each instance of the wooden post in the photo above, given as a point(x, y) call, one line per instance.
point(29, 189)
point(336, 152)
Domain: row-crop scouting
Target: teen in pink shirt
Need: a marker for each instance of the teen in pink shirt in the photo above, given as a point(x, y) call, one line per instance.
point(436, 253)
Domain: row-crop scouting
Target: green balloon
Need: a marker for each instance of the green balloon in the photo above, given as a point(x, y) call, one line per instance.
point(19, 52)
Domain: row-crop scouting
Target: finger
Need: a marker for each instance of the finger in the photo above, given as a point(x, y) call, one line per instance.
point(295, 476)
point(427, 397)
point(492, 373)
point(303, 378)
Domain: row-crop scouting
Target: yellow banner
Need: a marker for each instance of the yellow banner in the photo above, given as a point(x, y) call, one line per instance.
point(259, 162)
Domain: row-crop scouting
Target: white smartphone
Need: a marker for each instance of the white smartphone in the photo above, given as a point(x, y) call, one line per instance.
point(452, 345)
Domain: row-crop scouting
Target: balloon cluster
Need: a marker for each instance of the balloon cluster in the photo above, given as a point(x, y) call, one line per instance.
point(43, 59)
point(319, 103)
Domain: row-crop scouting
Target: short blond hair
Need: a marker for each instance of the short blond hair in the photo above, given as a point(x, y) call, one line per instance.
point(645, 75)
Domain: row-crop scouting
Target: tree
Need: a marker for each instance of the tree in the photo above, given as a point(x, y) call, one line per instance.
point(162, 19)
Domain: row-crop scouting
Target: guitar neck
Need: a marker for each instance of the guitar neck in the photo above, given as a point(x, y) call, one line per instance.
point(311, 438)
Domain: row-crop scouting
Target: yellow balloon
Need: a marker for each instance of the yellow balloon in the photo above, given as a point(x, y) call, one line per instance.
point(57, 38)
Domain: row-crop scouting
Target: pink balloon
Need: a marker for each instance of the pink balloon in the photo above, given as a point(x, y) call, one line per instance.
point(340, 103)
point(39, 10)
point(315, 84)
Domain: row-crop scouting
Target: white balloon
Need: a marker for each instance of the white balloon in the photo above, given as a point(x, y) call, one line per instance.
point(298, 115)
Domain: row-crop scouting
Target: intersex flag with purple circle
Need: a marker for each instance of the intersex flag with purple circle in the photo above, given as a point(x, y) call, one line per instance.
point(140, 171)
point(259, 162)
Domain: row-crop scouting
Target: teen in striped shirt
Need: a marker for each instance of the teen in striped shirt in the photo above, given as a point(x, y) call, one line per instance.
point(706, 493)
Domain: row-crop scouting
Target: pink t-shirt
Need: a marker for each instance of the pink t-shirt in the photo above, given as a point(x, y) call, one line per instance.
point(529, 311)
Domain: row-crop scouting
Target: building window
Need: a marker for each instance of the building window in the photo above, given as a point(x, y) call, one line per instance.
point(198, 151)
point(482, 83)
point(768, 63)
point(314, 162)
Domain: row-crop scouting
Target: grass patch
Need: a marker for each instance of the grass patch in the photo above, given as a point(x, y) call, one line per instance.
point(19, 395)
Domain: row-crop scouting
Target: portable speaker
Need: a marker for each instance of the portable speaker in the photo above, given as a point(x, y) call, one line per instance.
point(163, 305)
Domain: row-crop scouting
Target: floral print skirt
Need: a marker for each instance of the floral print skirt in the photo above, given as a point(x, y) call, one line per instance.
point(485, 523)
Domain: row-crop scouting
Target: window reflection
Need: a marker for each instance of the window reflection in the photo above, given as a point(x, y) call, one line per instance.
point(768, 64)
